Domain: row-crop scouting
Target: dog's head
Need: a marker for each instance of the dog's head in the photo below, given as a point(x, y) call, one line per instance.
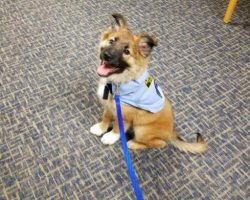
point(123, 55)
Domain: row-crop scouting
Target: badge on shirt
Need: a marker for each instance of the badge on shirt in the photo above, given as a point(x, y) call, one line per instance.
point(148, 81)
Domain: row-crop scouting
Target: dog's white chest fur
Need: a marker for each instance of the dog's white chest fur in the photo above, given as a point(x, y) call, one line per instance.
point(101, 87)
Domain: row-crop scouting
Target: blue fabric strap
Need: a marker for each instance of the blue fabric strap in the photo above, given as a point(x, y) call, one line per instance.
point(131, 172)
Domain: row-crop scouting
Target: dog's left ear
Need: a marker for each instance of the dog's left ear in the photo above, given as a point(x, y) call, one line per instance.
point(119, 22)
point(146, 43)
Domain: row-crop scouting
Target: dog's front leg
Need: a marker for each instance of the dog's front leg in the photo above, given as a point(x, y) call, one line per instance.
point(102, 127)
point(114, 135)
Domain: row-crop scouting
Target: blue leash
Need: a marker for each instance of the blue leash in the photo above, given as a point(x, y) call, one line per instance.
point(131, 172)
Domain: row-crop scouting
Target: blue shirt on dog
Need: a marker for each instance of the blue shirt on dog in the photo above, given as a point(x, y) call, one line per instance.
point(143, 93)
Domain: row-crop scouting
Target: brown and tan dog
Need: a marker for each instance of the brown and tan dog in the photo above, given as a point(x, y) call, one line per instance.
point(124, 58)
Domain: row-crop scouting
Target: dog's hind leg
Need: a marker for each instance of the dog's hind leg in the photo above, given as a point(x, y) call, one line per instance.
point(148, 136)
point(154, 143)
point(133, 144)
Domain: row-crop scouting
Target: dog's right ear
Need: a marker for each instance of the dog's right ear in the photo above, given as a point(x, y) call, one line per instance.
point(119, 22)
point(145, 44)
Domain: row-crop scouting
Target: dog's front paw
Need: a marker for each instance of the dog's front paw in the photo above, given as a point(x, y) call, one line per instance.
point(97, 129)
point(110, 138)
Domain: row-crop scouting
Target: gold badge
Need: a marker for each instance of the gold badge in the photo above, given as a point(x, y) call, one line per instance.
point(148, 81)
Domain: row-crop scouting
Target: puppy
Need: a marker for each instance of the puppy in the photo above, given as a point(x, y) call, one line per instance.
point(123, 68)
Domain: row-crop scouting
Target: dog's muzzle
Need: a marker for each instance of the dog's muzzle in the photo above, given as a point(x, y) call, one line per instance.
point(111, 56)
point(111, 62)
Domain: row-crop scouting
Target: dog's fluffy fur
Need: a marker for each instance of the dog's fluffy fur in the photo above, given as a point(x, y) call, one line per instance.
point(124, 58)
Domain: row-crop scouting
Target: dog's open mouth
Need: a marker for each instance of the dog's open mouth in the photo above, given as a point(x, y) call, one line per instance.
point(105, 69)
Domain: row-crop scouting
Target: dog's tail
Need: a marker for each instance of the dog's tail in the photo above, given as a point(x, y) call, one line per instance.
point(197, 147)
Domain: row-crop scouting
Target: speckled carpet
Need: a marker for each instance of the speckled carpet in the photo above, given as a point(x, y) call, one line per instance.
point(48, 102)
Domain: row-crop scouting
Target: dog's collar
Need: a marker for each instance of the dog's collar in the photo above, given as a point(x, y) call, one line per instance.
point(109, 89)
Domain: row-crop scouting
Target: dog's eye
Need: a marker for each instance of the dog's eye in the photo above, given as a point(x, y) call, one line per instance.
point(126, 51)
point(111, 41)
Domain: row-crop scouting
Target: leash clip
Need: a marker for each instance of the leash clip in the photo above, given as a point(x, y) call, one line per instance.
point(117, 92)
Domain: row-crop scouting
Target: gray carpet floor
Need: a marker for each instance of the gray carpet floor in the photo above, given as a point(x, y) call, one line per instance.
point(48, 102)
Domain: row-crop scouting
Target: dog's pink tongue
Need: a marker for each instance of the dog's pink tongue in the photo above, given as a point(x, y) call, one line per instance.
point(104, 69)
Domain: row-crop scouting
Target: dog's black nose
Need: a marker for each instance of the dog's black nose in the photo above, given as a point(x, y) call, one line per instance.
point(107, 56)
